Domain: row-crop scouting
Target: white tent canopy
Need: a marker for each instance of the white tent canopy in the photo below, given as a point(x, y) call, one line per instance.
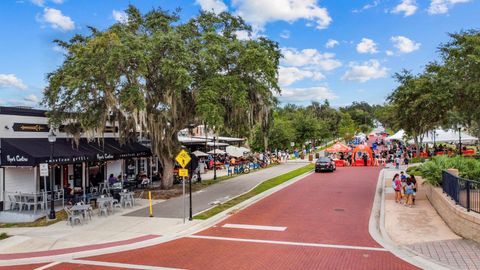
point(237, 151)
point(217, 152)
point(447, 136)
point(200, 154)
point(397, 136)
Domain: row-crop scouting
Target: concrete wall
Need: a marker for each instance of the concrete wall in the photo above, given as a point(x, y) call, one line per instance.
point(463, 223)
point(20, 179)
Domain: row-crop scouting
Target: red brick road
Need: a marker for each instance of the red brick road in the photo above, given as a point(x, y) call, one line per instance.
point(330, 208)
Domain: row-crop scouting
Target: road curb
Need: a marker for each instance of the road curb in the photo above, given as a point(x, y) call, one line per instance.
point(376, 228)
point(163, 239)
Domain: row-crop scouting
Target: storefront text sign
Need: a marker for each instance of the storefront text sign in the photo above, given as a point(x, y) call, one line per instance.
point(17, 158)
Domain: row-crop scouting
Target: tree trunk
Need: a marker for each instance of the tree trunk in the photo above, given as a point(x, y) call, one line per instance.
point(417, 143)
point(265, 142)
point(168, 166)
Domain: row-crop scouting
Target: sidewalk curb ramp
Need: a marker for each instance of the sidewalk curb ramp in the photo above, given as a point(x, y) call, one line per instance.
point(376, 228)
point(196, 227)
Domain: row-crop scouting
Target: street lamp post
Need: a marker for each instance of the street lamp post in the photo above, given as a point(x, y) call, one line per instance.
point(214, 159)
point(51, 139)
point(460, 141)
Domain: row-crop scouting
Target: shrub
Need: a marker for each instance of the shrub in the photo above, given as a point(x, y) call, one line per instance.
point(432, 171)
point(417, 160)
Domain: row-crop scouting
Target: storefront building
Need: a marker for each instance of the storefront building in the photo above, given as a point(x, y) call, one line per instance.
point(24, 145)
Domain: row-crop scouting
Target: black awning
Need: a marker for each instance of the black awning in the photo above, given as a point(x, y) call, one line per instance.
point(32, 151)
point(129, 149)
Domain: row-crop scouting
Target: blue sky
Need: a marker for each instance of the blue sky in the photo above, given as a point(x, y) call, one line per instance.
point(340, 50)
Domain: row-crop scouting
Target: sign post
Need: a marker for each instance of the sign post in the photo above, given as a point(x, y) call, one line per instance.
point(183, 158)
point(44, 174)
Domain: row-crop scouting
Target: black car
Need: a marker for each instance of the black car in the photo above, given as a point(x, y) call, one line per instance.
point(325, 164)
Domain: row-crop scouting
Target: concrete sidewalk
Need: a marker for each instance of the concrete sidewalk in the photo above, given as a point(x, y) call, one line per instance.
point(423, 232)
point(124, 226)
point(217, 193)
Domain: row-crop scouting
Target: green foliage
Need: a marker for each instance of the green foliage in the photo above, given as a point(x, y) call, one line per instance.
point(417, 160)
point(361, 113)
point(157, 75)
point(445, 94)
point(4, 236)
point(346, 128)
point(432, 170)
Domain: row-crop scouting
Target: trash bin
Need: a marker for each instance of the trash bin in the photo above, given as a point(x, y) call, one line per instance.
point(317, 155)
point(310, 157)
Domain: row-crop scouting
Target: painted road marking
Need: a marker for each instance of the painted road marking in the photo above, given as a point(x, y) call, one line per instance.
point(120, 265)
point(286, 243)
point(47, 266)
point(254, 227)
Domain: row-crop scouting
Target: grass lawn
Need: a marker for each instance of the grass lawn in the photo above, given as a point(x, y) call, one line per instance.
point(4, 236)
point(268, 184)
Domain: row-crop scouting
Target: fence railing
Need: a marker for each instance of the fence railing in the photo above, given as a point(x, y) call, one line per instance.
point(464, 192)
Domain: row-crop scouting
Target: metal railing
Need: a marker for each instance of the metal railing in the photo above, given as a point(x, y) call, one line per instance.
point(464, 192)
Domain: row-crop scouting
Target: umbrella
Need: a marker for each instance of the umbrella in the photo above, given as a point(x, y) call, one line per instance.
point(217, 152)
point(200, 154)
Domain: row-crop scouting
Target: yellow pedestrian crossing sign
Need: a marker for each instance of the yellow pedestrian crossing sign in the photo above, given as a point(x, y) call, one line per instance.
point(183, 158)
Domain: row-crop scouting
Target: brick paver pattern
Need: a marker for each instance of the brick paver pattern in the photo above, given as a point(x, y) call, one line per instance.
point(457, 254)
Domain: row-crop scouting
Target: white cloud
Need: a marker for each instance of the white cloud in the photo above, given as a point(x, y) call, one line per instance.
point(285, 34)
point(289, 75)
point(41, 3)
point(304, 95)
point(59, 49)
point(331, 43)
point(389, 52)
point(404, 44)
point(311, 58)
point(365, 71)
point(442, 6)
point(367, 46)
point(217, 6)
point(120, 16)
point(11, 81)
point(367, 6)
point(260, 12)
point(31, 98)
point(408, 7)
point(57, 20)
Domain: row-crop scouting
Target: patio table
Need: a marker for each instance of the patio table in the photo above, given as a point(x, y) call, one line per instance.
point(81, 208)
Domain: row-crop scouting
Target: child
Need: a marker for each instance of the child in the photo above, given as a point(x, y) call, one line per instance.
point(397, 186)
point(409, 192)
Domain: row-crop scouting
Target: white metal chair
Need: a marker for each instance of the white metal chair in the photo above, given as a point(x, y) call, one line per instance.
point(72, 218)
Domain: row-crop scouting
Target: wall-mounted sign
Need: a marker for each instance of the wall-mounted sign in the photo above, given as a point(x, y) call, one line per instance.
point(16, 158)
point(25, 127)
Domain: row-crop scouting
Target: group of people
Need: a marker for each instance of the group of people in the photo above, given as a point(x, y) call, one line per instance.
point(405, 188)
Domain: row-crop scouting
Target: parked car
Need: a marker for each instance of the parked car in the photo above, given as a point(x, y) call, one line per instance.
point(325, 164)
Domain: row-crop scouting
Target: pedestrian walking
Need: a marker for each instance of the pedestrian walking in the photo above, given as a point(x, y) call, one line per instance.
point(409, 193)
point(397, 186)
point(414, 181)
